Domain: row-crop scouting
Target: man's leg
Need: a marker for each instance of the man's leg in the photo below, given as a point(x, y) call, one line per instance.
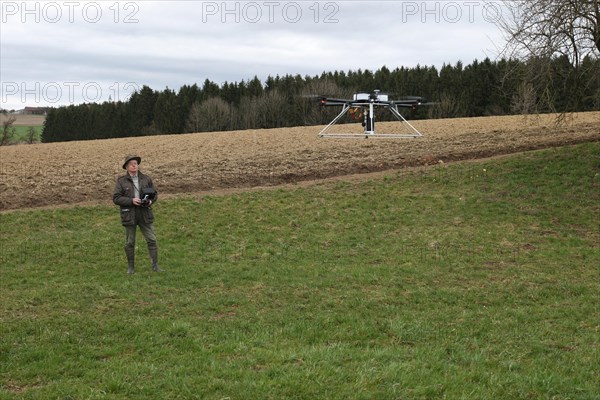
point(150, 236)
point(130, 248)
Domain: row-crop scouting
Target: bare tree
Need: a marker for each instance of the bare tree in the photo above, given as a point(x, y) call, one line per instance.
point(271, 109)
point(195, 120)
point(447, 107)
point(542, 30)
point(524, 101)
point(8, 131)
point(308, 101)
point(248, 113)
point(211, 115)
point(31, 135)
point(545, 28)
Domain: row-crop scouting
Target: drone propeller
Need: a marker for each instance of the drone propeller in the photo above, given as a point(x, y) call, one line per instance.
point(313, 96)
point(322, 98)
point(335, 101)
point(363, 99)
point(411, 99)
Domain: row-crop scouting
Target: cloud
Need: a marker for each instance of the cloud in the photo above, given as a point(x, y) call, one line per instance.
point(121, 45)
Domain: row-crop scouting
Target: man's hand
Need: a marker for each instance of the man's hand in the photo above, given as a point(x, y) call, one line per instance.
point(137, 201)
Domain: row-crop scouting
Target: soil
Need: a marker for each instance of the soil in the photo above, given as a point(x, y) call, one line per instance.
point(24, 120)
point(56, 174)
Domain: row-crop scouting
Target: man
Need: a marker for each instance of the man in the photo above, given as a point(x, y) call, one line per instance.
point(135, 194)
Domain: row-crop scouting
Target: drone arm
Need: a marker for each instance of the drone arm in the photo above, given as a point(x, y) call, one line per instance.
point(336, 119)
point(407, 104)
point(396, 113)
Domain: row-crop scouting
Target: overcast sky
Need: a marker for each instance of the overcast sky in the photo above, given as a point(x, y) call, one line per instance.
point(56, 53)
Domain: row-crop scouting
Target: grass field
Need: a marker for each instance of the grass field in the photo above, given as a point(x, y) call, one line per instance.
point(475, 280)
point(22, 125)
point(22, 134)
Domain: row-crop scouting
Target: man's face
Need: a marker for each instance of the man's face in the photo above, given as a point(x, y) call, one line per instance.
point(132, 167)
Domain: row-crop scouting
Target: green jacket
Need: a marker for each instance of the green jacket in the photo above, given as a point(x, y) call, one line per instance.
point(123, 196)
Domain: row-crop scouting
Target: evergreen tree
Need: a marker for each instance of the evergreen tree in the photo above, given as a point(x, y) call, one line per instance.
point(141, 110)
point(167, 113)
point(481, 88)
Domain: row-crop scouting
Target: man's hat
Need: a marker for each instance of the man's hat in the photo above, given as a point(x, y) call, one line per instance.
point(129, 158)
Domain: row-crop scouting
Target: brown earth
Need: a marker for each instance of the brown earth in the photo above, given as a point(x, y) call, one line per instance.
point(24, 120)
point(54, 174)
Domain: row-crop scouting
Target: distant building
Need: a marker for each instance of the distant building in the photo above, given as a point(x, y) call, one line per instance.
point(35, 110)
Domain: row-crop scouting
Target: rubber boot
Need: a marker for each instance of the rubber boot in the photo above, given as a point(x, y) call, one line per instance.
point(153, 253)
point(130, 252)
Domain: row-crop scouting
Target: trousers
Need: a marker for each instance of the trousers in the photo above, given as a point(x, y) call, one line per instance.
point(147, 231)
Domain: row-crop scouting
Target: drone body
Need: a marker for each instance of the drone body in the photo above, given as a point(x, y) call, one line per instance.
point(362, 106)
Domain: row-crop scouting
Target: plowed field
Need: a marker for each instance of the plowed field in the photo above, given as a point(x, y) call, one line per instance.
point(75, 172)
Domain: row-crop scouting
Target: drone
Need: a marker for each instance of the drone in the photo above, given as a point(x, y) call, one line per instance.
point(362, 107)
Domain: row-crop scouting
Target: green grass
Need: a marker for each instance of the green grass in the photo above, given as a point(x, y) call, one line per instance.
point(468, 281)
point(22, 134)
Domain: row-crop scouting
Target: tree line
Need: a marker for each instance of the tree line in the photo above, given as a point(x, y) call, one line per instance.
point(482, 88)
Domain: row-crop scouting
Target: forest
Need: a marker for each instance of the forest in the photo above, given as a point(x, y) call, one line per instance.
point(482, 88)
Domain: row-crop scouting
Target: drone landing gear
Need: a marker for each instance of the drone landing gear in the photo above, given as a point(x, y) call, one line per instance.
point(369, 125)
